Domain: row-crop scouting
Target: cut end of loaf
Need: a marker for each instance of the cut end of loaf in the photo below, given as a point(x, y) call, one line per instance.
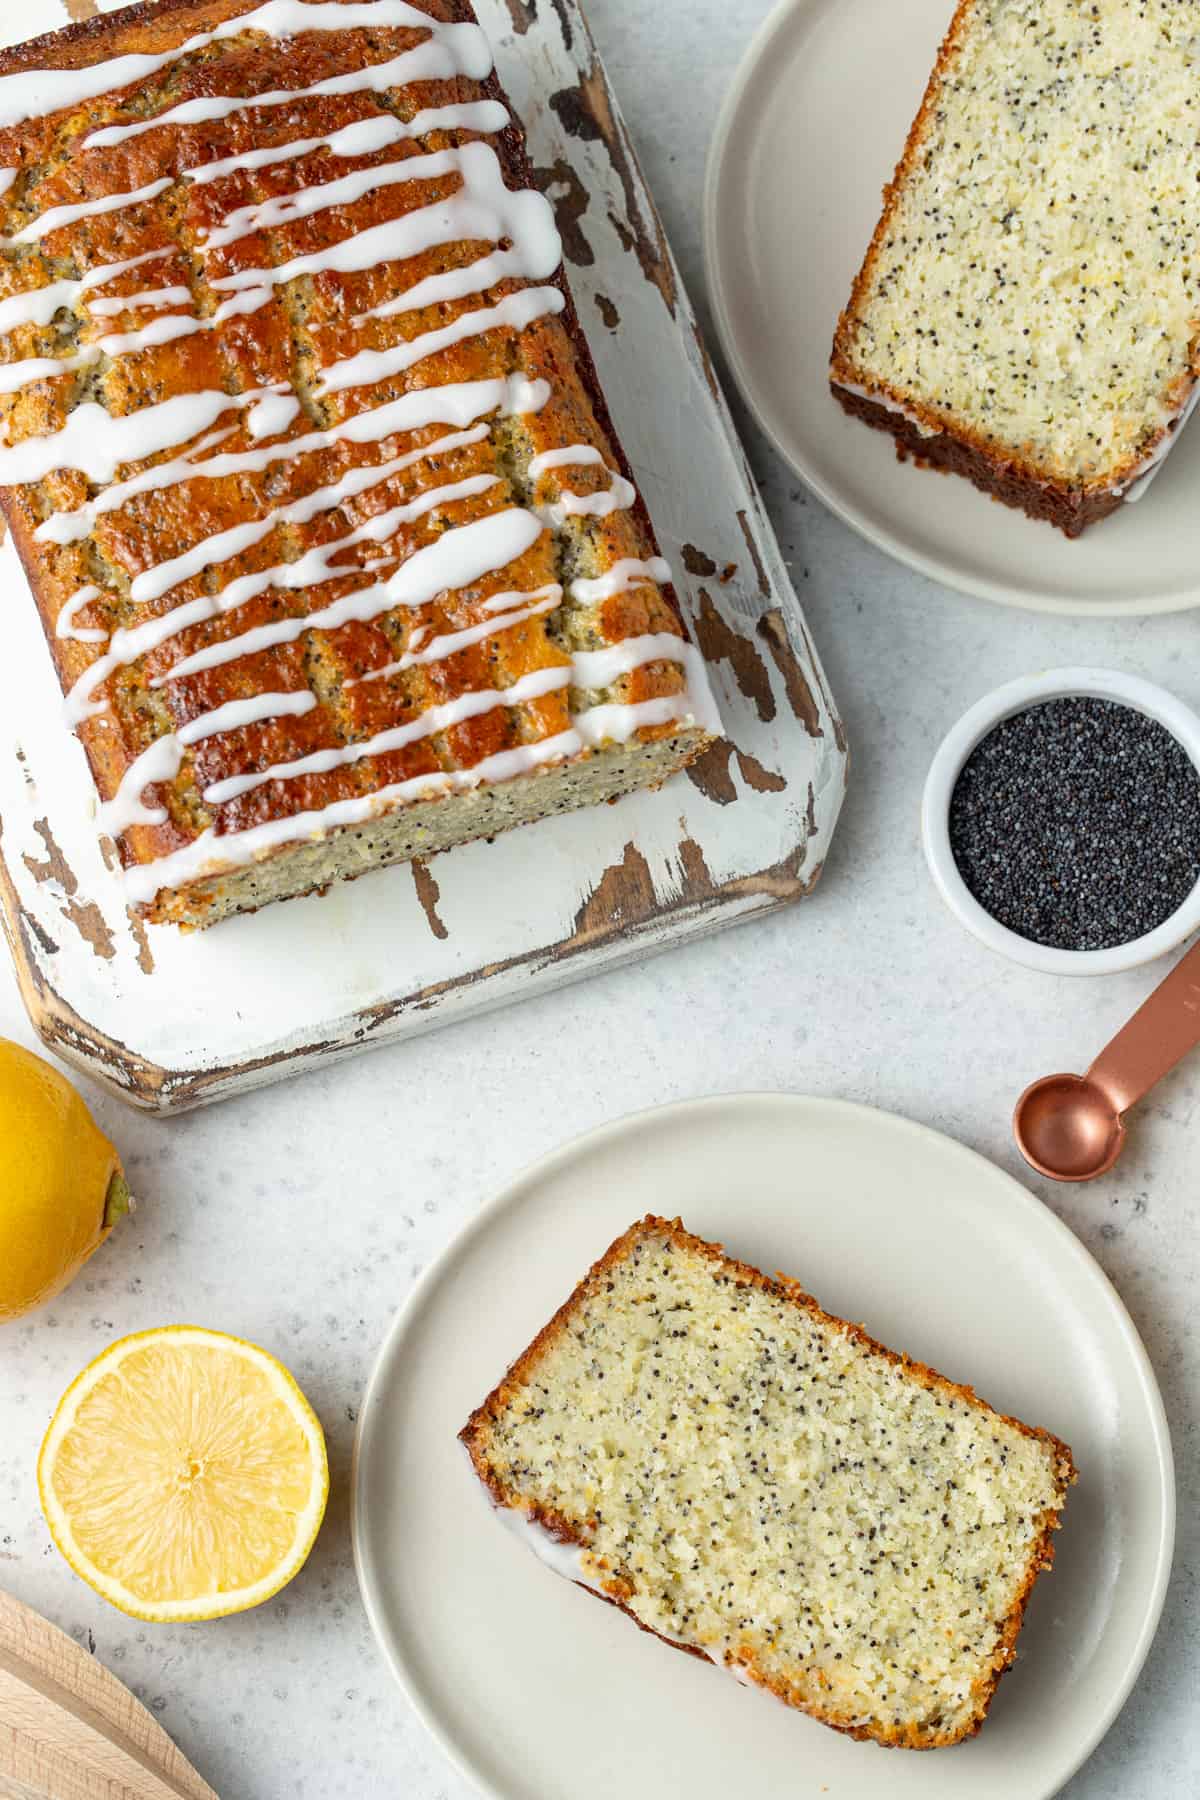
point(424, 828)
point(760, 1483)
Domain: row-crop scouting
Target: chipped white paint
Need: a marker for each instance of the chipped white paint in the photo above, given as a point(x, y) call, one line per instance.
point(262, 996)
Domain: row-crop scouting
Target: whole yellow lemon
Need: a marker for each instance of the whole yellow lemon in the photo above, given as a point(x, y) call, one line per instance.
point(61, 1185)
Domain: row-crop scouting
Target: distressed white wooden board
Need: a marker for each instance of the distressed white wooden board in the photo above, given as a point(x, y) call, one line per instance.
point(169, 1019)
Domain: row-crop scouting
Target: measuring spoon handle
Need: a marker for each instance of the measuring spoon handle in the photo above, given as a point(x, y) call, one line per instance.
point(1162, 1030)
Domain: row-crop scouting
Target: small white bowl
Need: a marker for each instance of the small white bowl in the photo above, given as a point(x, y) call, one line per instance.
point(956, 747)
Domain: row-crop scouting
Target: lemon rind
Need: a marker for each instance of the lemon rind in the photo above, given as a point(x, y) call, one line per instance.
point(209, 1606)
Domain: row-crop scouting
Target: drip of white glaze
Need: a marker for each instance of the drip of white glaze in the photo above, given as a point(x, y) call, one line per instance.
point(37, 306)
point(443, 717)
point(461, 555)
point(439, 58)
point(7, 177)
point(235, 849)
point(568, 455)
point(16, 375)
point(97, 442)
point(152, 583)
point(514, 313)
point(272, 414)
point(158, 762)
point(65, 626)
point(438, 649)
point(600, 668)
point(362, 138)
point(36, 93)
point(316, 566)
point(615, 722)
point(612, 722)
point(213, 851)
point(587, 670)
point(253, 709)
point(630, 572)
point(148, 300)
point(618, 496)
point(512, 597)
point(484, 209)
point(454, 403)
point(164, 757)
point(59, 216)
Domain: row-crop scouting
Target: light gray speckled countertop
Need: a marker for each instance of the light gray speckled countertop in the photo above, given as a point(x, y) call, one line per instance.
point(299, 1217)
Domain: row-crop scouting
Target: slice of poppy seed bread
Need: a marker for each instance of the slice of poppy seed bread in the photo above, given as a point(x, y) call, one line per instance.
point(760, 1483)
point(1026, 313)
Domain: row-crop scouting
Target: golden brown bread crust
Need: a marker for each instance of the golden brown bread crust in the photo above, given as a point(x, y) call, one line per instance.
point(952, 444)
point(1070, 510)
point(307, 324)
point(474, 1436)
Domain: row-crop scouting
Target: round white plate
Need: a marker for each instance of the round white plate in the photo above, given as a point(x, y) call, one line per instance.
point(537, 1692)
point(811, 131)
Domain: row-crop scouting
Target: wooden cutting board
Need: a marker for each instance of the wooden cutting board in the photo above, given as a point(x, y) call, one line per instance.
point(69, 1730)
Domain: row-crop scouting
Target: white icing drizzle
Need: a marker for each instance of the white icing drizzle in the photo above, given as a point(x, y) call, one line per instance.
point(612, 722)
point(514, 313)
point(222, 545)
point(97, 442)
point(519, 227)
point(148, 300)
point(37, 306)
point(564, 458)
point(454, 403)
point(630, 572)
point(442, 717)
point(362, 138)
point(600, 668)
point(271, 415)
point(36, 93)
point(160, 331)
point(615, 722)
point(234, 849)
point(59, 216)
point(618, 497)
point(65, 626)
point(483, 209)
point(460, 556)
point(510, 597)
point(439, 648)
point(158, 762)
point(237, 848)
point(162, 760)
point(7, 177)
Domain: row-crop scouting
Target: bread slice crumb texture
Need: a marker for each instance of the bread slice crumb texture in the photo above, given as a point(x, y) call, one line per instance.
point(757, 1481)
point(1033, 284)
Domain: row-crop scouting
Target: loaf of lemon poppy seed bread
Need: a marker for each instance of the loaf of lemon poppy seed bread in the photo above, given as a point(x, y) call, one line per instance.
point(1026, 314)
point(304, 453)
point(760, 1483)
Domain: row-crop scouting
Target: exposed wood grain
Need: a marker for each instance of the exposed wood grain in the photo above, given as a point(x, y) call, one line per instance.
point(721, 641)
point(586, 111)
point(773, 632)
point(69, 1730)
point(428, 893)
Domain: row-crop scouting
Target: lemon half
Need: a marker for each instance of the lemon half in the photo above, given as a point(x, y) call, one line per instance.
point(184, 1474)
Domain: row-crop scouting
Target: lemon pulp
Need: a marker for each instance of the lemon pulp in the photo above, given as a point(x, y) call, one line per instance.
point(184, 1474)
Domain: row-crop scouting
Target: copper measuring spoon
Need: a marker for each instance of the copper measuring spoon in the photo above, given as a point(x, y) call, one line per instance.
point(1070, 1127)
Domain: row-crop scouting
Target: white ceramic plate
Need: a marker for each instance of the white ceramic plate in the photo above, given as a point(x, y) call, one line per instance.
point(812, 129)
point(539, 1693)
